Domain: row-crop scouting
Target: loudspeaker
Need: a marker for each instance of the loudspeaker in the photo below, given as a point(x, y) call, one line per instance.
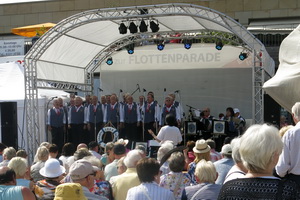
point(271, 111)
point(9, 124)
point(191, 128)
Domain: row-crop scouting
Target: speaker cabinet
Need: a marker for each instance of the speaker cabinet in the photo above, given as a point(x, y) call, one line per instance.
point(9, 125)
point(271, 111)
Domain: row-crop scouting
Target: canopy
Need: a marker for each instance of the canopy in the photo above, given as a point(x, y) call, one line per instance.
point(32, 30)
point(284, 86)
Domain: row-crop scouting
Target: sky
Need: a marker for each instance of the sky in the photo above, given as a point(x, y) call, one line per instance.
point(18, 1)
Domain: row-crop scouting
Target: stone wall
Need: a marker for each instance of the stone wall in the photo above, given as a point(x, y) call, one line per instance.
point(16, 15)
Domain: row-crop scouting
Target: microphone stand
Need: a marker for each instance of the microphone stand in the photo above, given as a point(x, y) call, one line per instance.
point(137, 89)
point(143, 112)
point(95, 121)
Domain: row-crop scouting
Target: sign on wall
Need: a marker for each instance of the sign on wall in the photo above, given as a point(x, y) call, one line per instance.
point(13, 47)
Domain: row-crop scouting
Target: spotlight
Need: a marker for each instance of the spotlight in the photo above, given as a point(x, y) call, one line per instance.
point(154, 26)
point(243, 56)
point(109, 61)
point(219, 45)
point(143, 27)
point(130, 48)
point(160, 46)
point(187, 44)
point(132, 28)
point(122, 28)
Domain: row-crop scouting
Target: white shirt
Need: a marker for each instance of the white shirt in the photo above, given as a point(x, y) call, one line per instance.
point(289, 159)
point(234, 173)
point(94, 153)
point(149, 191)
point(170, 133)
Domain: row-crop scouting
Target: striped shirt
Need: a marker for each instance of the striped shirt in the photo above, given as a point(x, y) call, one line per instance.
point(149, 191)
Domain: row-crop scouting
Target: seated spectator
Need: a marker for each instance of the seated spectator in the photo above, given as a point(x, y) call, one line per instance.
point(206, 176)
point(53, 173)
point(42, 156)
point(284, 129)
point(72, 191)
point(201, 151)
point(149, 176)
point(94, 149)
point(82, 153)
point(82, 172)
point(2, 147)
point(21, 168)
point(175, 180)
point(224, 165)
point(121, 167)
point(108, 156)
point(238, 170)
point(260, 148)
point(122, 183)
point(190, 153)
point(8, 188)
point(8, 154)
point(214, 155)
point(53, 152)
point(110, 170)
point(22, 153)
point(162, 151)
point(68, 150)
point(143, 149)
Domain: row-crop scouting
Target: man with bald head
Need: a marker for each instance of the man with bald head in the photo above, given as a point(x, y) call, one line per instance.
point(8, 188)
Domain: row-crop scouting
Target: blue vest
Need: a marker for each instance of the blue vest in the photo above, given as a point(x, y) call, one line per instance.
point(113, 114)
point(56, 120)
point(176, 104)
point(95, 113)
point(165, 113)
point(150, 114)
point(130, 115)
point(77, 117)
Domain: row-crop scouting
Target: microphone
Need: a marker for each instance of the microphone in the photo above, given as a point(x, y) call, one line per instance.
point(121, 90)
point(144, 90)
point(177, 91)
point(165, 89)
point(138, 86)
point(51, 98)
point(100, 89)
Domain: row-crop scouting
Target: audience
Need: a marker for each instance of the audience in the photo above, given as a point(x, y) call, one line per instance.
point(84, 173)
point(108, 156)
point(22, 153)
point(206, 176)
point(260, 148)
point(42, 155)
point(122, 183)
point(2, 147)
point(163, 150)
point(94, 149)
point(69, 191)
point(53, 173)
point(110, 170)
point(238, 170)
point(175, 180)
point(68, 150)
point(21, 168)
point(201, 151)
point(149, 176)
point(214, 155)
point(224, 165)
point(8, 154)
point(8, 188)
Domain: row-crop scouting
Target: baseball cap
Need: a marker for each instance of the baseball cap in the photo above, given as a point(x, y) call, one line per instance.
point(81, 169)
point(226, 149)
point(69, 191)
point(236, 110)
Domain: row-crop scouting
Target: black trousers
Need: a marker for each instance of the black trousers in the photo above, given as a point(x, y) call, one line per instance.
point(131, 133)
point(57, 134)
point(77, 135)
point(91, 134)
point(148, 126)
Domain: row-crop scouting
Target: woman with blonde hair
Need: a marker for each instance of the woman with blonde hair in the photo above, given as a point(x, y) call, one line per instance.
point(42, 156)
point(201, 151)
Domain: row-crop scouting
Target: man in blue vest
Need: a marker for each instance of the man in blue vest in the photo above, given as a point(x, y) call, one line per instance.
point(151, 115)
point(169, 108)
point(76, 122)
point(131, 118)
point(55, 122)
point(94, 118)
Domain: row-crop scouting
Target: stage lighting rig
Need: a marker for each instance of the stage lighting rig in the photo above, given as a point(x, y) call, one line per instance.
point(130, 48)
point(160, 46)
point(109, 61)
point(187, 44)
point(132, 28)
point(122, 28)
point(154, 26)
point(243, 56)
point(219, 45)
point(143, 27)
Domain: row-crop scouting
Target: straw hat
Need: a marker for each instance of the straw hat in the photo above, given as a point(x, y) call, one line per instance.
point(201, 147)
